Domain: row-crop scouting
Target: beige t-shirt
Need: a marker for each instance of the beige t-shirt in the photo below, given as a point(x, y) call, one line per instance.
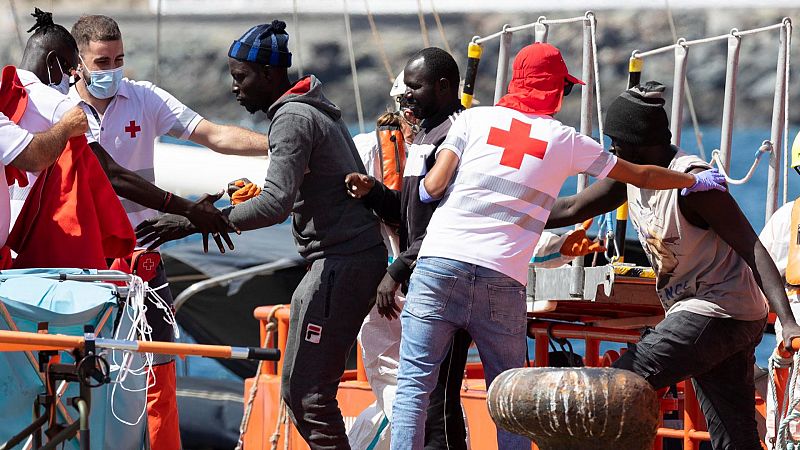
point(696, 270)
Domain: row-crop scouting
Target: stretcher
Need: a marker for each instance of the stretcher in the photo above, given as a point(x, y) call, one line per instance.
point(60, 351)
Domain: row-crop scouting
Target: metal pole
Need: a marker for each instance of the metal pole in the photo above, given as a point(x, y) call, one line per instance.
point(729, 102)
point(540, 32)
point(501, 82)
point(578, 273)
point(298, 60)
point(679, 83)
point(776, 135)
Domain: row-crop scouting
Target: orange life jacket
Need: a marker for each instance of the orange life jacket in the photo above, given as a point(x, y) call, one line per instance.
point(793, 261)
point(392, 152)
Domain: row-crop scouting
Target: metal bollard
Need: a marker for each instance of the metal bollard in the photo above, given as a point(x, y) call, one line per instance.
point(569, 409)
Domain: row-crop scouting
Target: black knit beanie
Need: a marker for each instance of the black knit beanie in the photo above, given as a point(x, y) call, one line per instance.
point(638, 117)
point(264, 44)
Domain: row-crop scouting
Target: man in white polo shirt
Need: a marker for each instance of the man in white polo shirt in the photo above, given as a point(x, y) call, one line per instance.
point(512, 160)
point(126, 117)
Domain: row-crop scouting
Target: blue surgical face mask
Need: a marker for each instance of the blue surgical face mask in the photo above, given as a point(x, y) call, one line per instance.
point(63, 85)
point(103, 84)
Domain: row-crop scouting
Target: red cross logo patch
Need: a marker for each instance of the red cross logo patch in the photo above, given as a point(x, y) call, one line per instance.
point(132, 128)
point(516, 143)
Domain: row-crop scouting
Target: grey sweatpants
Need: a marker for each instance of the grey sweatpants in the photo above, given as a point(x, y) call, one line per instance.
point(327, 310)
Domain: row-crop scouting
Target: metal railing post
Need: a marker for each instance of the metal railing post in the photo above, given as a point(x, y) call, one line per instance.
point(501, 82)
point(540, 32)
point(587, 75)
point(776, 134)
point(676, 122)
point(729, 101)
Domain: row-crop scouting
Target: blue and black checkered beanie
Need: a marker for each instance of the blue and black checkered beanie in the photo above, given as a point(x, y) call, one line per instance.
point(264, 44)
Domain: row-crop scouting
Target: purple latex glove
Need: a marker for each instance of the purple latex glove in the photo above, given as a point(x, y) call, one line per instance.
point(706, 181)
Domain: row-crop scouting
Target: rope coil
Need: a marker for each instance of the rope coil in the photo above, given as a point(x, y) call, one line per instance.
point(271, 327)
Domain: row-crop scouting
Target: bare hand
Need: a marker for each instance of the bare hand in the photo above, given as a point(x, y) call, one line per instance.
point(385, 301)
point(75, 121)
point(358, 184)
point(206, 218)
point(788, 333)
point(159, 230)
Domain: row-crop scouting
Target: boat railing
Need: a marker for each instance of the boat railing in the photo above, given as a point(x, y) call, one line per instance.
point(776, 146)
point(589, 74)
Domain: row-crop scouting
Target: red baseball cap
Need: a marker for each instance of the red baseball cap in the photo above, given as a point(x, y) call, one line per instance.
point(538, 79)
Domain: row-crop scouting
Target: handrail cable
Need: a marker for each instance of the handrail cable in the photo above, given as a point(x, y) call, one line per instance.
point(353, 68)
point(423, 28)
point(440, 27)
point(685, 43)
point(540, 20)
point(766, 147)
point(379, 42)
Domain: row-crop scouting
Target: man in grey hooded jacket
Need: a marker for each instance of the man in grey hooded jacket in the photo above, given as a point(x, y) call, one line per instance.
point(310, 153)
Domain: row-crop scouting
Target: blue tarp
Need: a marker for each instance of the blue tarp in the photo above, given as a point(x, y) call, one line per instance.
point(66, 306)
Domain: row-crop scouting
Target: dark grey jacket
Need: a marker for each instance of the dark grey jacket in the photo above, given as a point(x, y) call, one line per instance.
point(311, 152)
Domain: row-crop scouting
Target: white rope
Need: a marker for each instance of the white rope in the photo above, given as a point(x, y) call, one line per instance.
point(766, 147)
point(785, 439)
point(422, 27)
point(698, 135)
point(136, 308)
point(776, 361)
point(439, 25)
point(353, 69)
point(379, 42)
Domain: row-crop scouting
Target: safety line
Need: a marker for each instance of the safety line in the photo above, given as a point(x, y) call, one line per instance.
point(353, 68)
point(379, 42)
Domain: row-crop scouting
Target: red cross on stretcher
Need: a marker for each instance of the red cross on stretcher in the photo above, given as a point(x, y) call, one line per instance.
point(516, 142)
point(132, 128)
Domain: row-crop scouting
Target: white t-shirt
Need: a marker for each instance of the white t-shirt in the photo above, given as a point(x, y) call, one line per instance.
point(139, 114)
point(776, 234)
point(511, 168)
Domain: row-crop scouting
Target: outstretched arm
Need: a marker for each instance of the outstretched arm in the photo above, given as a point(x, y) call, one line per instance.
point(600, 197)
point(654, 177)
point(719, 211)
point(229, 139)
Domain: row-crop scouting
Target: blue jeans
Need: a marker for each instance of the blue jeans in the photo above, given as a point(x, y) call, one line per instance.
point(444, 296)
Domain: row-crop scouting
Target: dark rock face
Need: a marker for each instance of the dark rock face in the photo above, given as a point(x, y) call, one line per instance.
point(570, 409)
point(193, 54)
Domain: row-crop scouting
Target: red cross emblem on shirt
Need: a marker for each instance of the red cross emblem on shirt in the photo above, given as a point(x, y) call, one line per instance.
point(516, 142)
point(132, 128)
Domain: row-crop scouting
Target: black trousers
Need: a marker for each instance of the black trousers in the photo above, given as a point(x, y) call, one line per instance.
point(444, 427)
point(718, 354)
point(327, 310)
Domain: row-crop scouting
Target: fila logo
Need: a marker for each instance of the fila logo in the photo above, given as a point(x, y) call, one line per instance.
point(313, 333)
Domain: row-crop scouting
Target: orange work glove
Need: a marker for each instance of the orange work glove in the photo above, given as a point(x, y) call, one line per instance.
point(245, 193)
point(577, 244)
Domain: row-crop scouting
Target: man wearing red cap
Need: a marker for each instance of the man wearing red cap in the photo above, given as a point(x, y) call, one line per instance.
point(512, 160)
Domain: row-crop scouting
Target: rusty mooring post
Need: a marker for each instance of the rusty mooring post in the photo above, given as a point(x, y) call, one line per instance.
point(576, 409)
